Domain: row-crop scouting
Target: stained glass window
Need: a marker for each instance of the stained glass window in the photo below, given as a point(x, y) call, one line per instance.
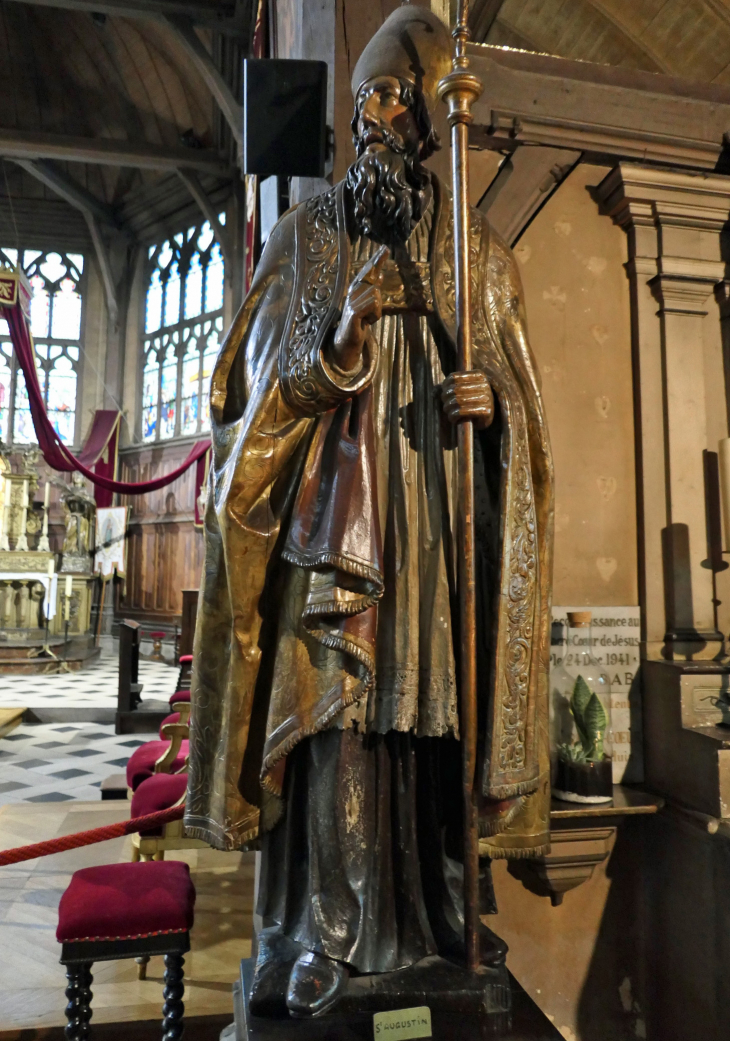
point(183, 329)
point(55, 322)
point(6, 384)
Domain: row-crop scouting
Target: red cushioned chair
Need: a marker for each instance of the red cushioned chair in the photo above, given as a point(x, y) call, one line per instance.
point(174, 717)
point(168, 756)
point(125, 911)
point(179, 711)
point(186, 668)
point(180, 702)
point(160, 792)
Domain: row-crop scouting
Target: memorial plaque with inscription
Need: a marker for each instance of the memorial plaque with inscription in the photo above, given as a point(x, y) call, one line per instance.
point(615, 632)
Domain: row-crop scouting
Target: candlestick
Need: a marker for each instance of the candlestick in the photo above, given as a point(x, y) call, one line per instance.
point(43, 543)
point(67, 599)
point(50, 571)
point(723, 451)
point(22, 543)
point(4, 544)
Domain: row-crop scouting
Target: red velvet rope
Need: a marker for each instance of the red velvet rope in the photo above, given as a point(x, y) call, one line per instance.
point(55, 453)
point(87, 838)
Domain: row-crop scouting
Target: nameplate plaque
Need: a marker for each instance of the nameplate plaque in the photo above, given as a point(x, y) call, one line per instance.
point(402, 1024)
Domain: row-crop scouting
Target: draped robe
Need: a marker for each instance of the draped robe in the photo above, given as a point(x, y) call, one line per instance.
point(299, 516)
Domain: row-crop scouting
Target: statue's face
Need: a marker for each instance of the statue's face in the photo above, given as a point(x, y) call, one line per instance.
point(387, 185)
point(379, 108)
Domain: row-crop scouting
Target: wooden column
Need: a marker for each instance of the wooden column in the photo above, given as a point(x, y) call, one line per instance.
point(307, 30)
point(673, 221)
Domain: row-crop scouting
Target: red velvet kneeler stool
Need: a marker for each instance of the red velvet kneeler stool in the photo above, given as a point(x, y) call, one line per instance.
point(125, 911)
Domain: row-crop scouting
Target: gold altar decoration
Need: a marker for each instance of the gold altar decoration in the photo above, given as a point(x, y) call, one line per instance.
point(79, 513)
point(32, 601)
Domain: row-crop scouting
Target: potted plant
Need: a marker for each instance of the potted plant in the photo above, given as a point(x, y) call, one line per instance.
point(584, 771)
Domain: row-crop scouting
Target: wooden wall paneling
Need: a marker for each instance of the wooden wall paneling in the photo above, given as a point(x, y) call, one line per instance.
point(165, 548)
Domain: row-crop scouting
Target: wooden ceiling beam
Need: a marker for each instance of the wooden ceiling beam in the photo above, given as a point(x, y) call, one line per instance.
point(22, 144)
point(231, 109)
point(105, 267)
point(482, 16)
point(539, 99)
point(643, 46)
point(73, 193)
point(525, 182)
point(95, 213)
point(222, 15)
point(190, 179)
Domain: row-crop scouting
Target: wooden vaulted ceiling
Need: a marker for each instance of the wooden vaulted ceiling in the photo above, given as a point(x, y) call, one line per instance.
point(687, 38)
point(67, 72)
point(117, 73)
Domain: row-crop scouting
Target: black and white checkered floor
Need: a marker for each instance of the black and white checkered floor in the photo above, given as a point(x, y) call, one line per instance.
point(92, 687)
point(68, 755)
point(54, 762)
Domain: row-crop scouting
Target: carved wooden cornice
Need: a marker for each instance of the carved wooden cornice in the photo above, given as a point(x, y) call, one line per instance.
point(540, 99)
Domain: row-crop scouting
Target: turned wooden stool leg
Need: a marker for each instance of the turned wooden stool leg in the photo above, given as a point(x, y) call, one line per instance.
point(78, 992)
point(173, 1009)
point(142, 963)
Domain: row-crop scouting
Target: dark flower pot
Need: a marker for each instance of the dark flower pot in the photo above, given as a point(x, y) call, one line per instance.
point(584, 782)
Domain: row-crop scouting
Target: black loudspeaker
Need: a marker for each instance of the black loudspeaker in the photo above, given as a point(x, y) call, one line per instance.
point(284, 113)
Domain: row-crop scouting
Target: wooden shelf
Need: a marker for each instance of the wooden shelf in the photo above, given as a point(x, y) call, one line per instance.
point(626, 801)
point(581, 837)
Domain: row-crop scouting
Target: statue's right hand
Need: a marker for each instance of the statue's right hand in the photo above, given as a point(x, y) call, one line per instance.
point(363, 307)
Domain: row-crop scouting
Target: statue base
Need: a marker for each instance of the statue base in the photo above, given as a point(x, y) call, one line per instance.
point(469, 1005)
point(75, 564)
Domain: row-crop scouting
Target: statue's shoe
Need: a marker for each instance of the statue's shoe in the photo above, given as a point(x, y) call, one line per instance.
point(315, 984)
point(276, 956)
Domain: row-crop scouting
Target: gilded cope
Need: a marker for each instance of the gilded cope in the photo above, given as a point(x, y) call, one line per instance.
point(325, 709)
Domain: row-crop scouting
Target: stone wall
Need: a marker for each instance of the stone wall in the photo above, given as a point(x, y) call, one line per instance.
point(577, 297)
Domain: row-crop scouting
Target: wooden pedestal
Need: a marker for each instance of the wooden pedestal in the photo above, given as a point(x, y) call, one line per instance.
point(525, 1022)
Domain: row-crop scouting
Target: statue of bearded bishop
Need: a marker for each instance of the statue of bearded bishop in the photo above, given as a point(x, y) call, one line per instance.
point(325, 691)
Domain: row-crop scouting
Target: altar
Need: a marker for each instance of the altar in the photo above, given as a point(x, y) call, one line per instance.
point(45, 597)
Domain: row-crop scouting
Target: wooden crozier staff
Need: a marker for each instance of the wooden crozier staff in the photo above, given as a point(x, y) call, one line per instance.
point(459, 90)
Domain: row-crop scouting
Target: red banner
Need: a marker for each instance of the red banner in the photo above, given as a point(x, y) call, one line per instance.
point(104, 430)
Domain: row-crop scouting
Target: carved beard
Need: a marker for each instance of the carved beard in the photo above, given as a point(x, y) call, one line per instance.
point(389, 190)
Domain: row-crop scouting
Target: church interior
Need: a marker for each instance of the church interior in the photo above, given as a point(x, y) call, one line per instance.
point(133, 218)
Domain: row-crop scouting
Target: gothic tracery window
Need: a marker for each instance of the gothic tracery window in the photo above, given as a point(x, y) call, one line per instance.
point(55, 319)
point(183, 327)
